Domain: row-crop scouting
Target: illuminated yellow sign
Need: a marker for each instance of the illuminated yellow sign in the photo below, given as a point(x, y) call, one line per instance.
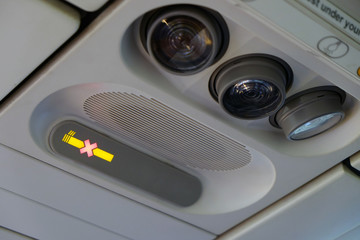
point(90, 149)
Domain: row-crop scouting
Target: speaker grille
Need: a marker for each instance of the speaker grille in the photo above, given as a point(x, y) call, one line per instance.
point(166, 132)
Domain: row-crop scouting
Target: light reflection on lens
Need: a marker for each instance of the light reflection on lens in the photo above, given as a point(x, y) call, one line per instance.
point(310, 112)
point(183, 44)
point(251, 86)
point(316, 126)
point(252, 98)
point(184, 39)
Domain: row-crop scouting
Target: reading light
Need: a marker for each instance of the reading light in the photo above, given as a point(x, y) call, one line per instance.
point(184, 39)
point(251, 86)
point(310, 112)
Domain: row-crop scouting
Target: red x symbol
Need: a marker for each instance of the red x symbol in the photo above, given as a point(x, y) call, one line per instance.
point(88, 148)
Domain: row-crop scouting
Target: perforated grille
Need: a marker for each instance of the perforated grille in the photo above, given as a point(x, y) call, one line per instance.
point(166, 132)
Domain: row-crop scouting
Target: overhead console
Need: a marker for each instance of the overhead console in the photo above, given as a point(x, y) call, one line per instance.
point(208, 112)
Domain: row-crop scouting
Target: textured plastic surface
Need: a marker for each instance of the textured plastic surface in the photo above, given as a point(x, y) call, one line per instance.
point(353, 234)
point(326, 42)
point(11, 235)
point(42, 222)
point(30, 31)
point(48, 203)
point(325, 208)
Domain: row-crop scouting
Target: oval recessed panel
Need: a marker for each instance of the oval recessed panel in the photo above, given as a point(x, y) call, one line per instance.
point(92, 149)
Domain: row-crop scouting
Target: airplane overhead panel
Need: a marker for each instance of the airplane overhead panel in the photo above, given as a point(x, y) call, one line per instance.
point(206, 112)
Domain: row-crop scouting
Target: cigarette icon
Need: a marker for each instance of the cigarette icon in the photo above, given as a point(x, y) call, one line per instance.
point(87, 147)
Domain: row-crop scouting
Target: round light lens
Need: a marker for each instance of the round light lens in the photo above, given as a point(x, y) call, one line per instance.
point(310, 112)
point(182, 44)
point(184, 39)
point(251, 86)
point(251, 98)
point(316, 126)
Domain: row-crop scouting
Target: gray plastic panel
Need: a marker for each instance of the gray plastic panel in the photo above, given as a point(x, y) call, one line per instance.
point(325, 208)
point(351, 235)
point(30, 32)
point(90, 148)
point(12, 235)
point(45, 202)
point(42, 222)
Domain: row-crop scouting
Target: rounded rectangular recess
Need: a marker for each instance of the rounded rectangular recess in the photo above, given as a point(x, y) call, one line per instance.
point(92, 149)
